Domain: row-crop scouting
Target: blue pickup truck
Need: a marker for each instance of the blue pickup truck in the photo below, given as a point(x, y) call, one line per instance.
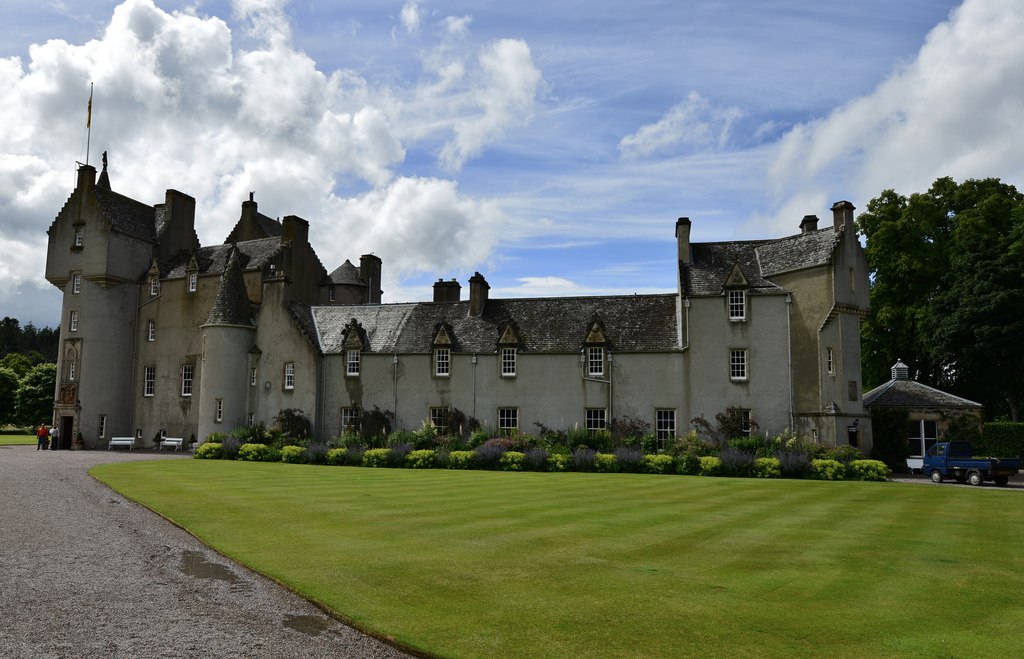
point(953, 459)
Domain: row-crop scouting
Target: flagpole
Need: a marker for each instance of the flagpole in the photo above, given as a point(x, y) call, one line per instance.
point(88, 126)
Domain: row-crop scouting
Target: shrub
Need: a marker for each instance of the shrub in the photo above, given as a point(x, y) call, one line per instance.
point(558, 462)
point(794, 464)
point(441, 458)
point(767, 468)
point(511, 461)
point(827, 470)
point(257, 453)
point(868, 470)
point(420, 459)
point(460, 460)
point(337, 456)
point(535, 459)
point(315, 453)
point(401, 437)
point(376, 457)
point(736, 463)
point(426, 436)
point(216, 437)
point(256, 434)
point(1004, 439)
point(710, 465)
point(354, 455)
point(293, 454)
point(657, 463)
point(478, 437)
point(688, 463)
point(628, 459)
point(691, 444)
point(294, 423)
point(396, 458)
point(488, 455)
point(208, 451)
point(605, 463)
point(577, 437)
point(582, 459)
point(229, 448)
point(845, 454)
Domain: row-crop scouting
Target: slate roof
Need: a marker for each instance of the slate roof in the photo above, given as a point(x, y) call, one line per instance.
point(910, 393)
point(634, 323)
point(126, 215)
point(758, 260)
point(346, 273)
point(253, 255)
point(232, 305)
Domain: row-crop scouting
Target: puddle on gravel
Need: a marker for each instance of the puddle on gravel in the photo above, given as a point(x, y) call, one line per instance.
point(311, 625)
point(195, 565)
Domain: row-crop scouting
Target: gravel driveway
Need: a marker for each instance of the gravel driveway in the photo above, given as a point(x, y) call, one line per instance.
point(86, 573)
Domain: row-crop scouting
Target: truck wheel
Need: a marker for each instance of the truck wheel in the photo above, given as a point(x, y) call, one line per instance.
point(1001, 481)
point(936, 476)
point(974, 478)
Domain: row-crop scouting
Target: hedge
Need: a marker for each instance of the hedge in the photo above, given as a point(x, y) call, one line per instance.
point(1004, 439)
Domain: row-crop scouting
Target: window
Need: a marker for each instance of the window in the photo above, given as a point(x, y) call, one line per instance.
point(508, 362)
point(252, 377)
point(76, 284)
point(154, 286)
point(73, 322)
point(664, 427)
point(250, 419)
point(352, 363)
point(149, 381)
point(738, 365)
point(71, 370)
point(193, 281)
point(508, 418)
point(289, 375)
point(78, 236)
point(921, 436)
point(151, 330)
point(187, 370)
point(332, 294)
point(218, 411)
point(439, 417)
point(830, 361)
point(737, 305)
point(103, 426)
point(595, 362)
point(349, 418)
point(442, 362)
point(595, 419)
point(741, 419)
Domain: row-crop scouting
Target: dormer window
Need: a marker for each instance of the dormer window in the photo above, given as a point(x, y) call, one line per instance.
point(737, 306)
point(442, 362)
point(595, 361)
point(79, 233)
point(508, 362)
point(193, 281)
point(508, 349)
point(444, 340)
point(595, 350)
point(355, 343)
point(352, 363)
point(154, 286)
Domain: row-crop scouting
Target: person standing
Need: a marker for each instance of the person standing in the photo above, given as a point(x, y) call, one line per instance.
point(54, 438)
point(42, 437)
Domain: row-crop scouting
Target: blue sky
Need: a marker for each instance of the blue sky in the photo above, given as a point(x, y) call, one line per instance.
point(550, 146)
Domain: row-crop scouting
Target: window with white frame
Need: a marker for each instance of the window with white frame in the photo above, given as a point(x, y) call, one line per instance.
point(830, 361)
point(352, 363)
point(738, 364)
point(76, 283)
point(193, 281)
point(737, 305)
point(508, 418)
point(154, 286)
point(252, 377)
point(741, 418)
point(151, 330)
point(103, 426)
point(289, 375)
point(439, 417)
point(218, 410)
point(79, 233)
point(922, 434)
point(442, 362)
point(73, 321)
point(595, 361)
point(596, 419)
point(149, 381)
point(508, 362)
point(71, 370)
point(187, 371)
point(664, 427)
point(349, 418)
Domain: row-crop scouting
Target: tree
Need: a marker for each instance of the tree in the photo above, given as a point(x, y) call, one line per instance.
point(8, 395)
point(947, 289)
point(35, 395)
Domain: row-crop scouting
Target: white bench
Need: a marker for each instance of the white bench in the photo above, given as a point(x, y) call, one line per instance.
point(171, 442)
point(121, 441)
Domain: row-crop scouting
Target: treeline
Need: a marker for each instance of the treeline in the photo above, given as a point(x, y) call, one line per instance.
point(39, 345)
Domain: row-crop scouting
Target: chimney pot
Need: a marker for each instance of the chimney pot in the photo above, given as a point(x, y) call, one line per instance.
point(809, 223)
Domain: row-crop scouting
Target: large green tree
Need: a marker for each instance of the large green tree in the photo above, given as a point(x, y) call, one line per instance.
point(35, 395)
point(8, 395)
point(947, 289)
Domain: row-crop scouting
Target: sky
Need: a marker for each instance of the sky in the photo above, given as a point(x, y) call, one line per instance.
point(548, 145)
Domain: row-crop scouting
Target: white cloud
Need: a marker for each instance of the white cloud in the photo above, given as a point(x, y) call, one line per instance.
point(410, 16)
point(951, 111)
point(693, 122)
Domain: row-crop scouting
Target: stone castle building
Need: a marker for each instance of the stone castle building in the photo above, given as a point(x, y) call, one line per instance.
point(160, 334)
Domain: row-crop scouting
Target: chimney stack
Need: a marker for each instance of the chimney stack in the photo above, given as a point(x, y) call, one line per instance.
point(809, 223)
point(683, 238)
point(478, 288)
point(294, 228)
point(842, 216)
point(447, 291)
point(369, 269)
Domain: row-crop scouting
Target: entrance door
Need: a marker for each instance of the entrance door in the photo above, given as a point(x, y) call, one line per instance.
point(67, 426)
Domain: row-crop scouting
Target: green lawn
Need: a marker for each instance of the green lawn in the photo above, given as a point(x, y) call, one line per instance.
point(16, 437)
point(524, 564)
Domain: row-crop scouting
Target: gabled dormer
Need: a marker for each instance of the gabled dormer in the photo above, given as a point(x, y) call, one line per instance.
point(152, 279)
point(595, 350)
point(509, 342)
point(736, 287)
point(355, 343)
point(442, 346)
